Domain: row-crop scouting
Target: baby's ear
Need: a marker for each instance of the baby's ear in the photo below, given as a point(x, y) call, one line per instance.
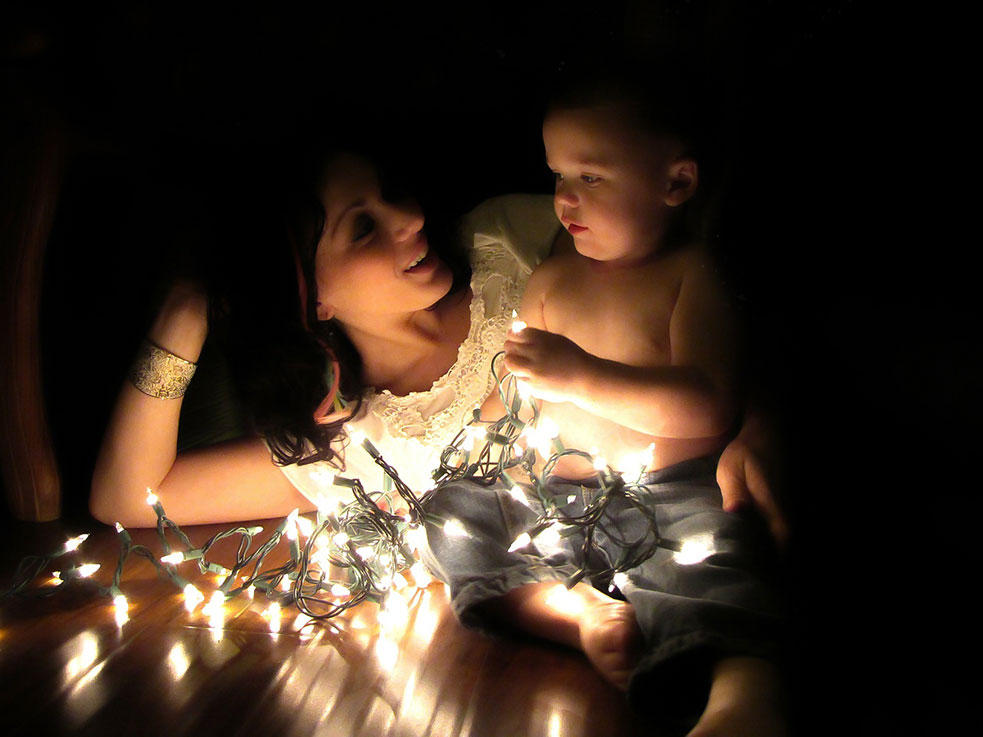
point(682, 180)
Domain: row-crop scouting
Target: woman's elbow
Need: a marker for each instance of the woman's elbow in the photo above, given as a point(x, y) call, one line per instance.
point(100, 505)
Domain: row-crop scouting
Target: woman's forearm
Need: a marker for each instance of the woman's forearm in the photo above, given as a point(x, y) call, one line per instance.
point(140, 444)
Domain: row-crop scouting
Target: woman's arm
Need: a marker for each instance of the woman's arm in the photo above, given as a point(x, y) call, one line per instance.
point(230, 481)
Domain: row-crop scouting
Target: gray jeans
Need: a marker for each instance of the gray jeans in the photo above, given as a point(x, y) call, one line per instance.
point(690, 614)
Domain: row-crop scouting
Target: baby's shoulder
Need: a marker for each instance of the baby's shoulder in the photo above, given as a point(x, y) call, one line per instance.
point(552, 269)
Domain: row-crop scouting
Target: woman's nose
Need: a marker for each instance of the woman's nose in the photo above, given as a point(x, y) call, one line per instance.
point(409, 219)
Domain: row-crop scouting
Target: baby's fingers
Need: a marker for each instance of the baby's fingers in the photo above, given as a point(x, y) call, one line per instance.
point(518, 363)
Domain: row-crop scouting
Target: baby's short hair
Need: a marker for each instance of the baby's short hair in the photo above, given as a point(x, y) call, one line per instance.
point(659, 102)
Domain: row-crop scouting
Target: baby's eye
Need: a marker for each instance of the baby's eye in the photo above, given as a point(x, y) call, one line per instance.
point(590, 178)
point(557, 177)
point(363, 226)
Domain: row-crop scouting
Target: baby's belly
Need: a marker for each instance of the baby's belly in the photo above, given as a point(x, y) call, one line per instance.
point(624, 450)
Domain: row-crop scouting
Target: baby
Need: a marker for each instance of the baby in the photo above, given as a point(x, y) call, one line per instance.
point(632, 349)
point(632, 346)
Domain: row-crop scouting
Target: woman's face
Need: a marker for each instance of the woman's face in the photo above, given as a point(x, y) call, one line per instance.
point(373, 258)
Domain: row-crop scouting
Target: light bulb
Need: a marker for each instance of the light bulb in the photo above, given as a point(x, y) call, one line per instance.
point(694, 550)
point(421, 576)
point(73, 542)
point(520, 542)
point(453, 528)
point(519, 495)
point(192, 597)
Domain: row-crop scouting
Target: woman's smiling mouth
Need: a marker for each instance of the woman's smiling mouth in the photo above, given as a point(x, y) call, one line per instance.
point(420, 258)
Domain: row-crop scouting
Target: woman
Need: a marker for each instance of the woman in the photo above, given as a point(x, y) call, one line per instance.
point(378, 308)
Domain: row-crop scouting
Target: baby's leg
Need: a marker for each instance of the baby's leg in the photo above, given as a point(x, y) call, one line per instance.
point(745, 701)
point(709, 622)
point(470, 529)
point(605, 629)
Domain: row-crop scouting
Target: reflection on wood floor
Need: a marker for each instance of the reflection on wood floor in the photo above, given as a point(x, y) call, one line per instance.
point(68, 667)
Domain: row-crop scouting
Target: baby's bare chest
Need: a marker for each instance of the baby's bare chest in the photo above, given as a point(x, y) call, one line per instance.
point(623, 317)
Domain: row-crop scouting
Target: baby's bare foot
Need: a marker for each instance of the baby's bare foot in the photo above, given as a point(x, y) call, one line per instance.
point(611, 639)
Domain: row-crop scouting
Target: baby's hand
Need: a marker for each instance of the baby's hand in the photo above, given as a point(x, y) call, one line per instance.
point(551, 366)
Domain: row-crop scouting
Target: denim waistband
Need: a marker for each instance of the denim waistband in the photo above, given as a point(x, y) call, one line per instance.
point(676, 472)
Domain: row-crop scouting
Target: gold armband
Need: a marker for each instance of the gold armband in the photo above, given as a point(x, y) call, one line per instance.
point(159, 373)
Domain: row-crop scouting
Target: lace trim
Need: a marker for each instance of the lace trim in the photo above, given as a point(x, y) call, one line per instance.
point(469, 379)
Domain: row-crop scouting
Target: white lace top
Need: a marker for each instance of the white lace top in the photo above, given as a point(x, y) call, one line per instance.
point(509, 236)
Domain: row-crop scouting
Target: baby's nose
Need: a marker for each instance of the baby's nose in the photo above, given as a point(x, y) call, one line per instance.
point(565, 194)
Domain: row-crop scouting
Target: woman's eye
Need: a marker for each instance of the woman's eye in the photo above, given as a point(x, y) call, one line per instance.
point(363, 226)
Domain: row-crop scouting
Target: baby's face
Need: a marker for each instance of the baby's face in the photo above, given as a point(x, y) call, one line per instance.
point(612, 183)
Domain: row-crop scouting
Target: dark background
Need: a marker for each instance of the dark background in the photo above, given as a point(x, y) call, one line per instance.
point(862, 329)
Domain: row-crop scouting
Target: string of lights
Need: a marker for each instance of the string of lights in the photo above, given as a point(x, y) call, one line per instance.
point(361, 551)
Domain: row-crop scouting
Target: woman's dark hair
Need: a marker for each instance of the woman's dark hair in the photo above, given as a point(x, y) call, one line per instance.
point(279, 353)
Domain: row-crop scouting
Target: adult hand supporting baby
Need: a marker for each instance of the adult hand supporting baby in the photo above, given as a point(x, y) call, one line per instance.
point(747, 472)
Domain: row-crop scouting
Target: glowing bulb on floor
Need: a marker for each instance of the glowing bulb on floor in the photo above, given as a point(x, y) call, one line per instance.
point(73, 542)
point(421, 576)
point(272, 613)
point(173, 558)
point(394, 612)
point(152, 498)
point(215, 609)
point(87, 569)
point(192, 597)
point(387, 652)
point(340, 590)
point(121, 609)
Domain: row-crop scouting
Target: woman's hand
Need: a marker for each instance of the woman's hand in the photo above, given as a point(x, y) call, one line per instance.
point(551, 366)
point(746, 472)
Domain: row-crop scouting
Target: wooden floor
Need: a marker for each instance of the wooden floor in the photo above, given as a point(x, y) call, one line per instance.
point(68, 667)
